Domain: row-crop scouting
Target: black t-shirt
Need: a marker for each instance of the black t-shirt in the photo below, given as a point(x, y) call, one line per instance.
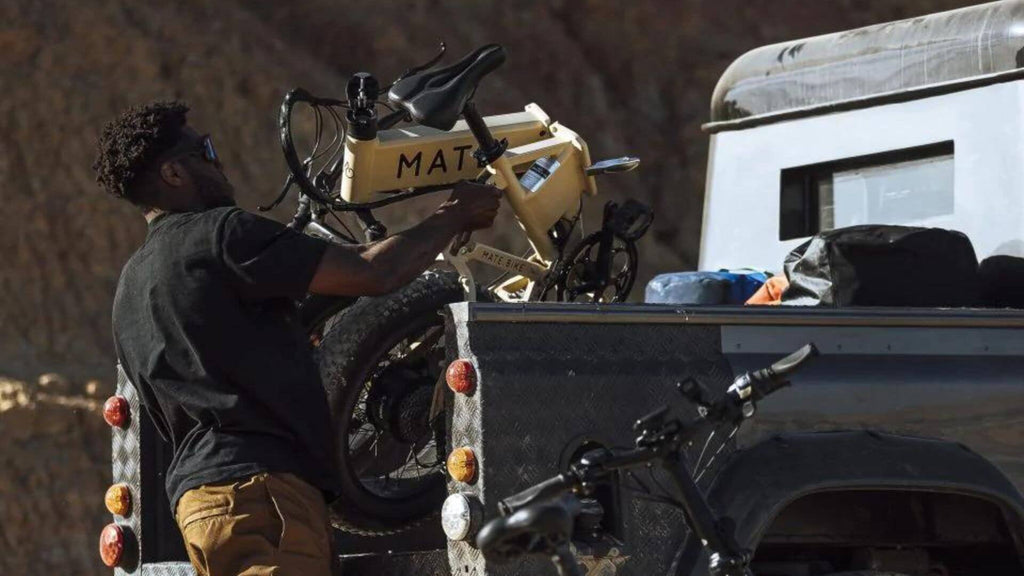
point(204, 327)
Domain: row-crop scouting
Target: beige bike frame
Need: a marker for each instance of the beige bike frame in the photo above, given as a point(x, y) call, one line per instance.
point(418, 156)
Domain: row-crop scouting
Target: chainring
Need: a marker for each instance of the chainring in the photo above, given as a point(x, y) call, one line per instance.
point(579, 276)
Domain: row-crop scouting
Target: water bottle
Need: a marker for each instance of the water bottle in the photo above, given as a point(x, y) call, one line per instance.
point(538, 173)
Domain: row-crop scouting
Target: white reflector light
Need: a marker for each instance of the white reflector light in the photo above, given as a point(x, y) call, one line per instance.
point(460, 516)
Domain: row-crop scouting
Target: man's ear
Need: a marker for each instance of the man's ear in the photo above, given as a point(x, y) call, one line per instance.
point(173, 174)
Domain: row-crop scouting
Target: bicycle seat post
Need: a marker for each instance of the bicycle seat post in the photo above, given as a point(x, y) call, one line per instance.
point(490, 149)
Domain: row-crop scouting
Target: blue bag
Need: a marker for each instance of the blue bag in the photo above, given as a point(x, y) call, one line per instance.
point(722, 287)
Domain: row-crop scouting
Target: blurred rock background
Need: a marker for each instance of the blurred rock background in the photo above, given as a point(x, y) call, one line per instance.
point(632, 77)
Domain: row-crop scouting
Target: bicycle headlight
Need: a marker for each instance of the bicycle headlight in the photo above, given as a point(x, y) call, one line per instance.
point(460, 516)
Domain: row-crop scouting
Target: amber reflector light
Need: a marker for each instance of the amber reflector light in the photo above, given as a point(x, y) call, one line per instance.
point(462, 464)
point(111, 545)
point(115, 411)
point(461, 376)
point(119, 499)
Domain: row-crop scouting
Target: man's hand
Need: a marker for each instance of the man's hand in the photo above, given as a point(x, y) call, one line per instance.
point(383, 266)
point(473, 205)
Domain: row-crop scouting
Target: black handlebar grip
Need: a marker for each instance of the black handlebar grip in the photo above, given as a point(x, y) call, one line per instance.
point(767, 386)
point(547, 489)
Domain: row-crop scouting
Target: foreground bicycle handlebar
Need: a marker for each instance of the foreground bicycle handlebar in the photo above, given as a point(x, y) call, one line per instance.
point(539, 520)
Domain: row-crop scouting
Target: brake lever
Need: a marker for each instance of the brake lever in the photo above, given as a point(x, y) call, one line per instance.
point(695, 393)
point(281, 196)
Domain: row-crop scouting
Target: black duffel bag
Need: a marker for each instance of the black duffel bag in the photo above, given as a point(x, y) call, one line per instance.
point(1002, 282)
point(877, 265)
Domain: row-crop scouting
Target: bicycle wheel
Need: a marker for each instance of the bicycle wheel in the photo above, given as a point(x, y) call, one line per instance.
point(380, 360)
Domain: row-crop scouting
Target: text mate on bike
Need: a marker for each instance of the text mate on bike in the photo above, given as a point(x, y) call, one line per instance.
point(204, 328)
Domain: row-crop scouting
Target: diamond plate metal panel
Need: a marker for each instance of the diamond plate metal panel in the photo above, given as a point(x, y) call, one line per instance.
point(167, 569)
point(124, 452)
point(543, 388)
point(126, 460)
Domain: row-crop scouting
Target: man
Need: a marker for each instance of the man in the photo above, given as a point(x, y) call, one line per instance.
point(203, 326)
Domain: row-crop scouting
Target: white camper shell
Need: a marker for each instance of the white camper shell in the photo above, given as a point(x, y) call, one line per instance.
point(917, 122)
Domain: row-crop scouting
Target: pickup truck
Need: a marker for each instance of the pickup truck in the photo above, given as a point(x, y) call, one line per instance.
point(900, 450)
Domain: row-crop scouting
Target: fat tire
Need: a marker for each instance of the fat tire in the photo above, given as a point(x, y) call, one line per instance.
point(315, 309)
point(357, 336)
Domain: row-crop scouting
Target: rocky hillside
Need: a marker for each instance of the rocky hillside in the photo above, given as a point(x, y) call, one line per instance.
point(54, 470)
point(632, 77)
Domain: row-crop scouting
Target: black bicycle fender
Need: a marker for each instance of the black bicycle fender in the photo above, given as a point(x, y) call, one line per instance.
point(759, 482)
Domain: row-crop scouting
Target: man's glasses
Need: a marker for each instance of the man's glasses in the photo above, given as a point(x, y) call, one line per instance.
point(209, 153)
point(203, 149)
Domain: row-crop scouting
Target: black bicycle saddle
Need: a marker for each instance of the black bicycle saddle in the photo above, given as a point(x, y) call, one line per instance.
point(536, 529)
point(435, 98)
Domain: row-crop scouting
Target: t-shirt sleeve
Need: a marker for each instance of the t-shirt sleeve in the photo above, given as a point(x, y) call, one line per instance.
point(264, 258)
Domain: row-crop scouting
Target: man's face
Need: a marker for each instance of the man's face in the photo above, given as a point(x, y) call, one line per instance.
point(205, 170)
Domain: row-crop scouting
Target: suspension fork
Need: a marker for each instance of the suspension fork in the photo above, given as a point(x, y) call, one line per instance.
point(727, 559)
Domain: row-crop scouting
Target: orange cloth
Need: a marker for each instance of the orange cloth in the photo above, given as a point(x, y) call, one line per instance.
point(770, 293)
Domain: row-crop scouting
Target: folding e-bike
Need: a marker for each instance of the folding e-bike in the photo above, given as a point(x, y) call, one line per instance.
point(382, 358)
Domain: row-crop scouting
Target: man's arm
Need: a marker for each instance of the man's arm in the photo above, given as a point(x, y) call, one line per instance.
point(386, 265)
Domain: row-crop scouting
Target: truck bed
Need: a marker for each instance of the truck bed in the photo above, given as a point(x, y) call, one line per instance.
point(553, 377)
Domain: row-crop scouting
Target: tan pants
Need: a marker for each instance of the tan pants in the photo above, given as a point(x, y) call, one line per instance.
point(267, 525)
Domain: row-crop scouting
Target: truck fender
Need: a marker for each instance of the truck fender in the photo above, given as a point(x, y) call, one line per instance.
point(759, 482)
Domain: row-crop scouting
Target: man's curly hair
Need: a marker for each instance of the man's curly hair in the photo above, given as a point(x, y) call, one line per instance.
point(132, 141)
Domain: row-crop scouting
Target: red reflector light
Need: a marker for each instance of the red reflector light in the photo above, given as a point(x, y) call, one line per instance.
point(112, 545)
point(115, 411)
point(461, 376)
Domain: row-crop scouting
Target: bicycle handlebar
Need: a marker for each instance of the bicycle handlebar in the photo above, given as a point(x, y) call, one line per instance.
point(526, 514)
point(750, 387)
point(298, 174)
